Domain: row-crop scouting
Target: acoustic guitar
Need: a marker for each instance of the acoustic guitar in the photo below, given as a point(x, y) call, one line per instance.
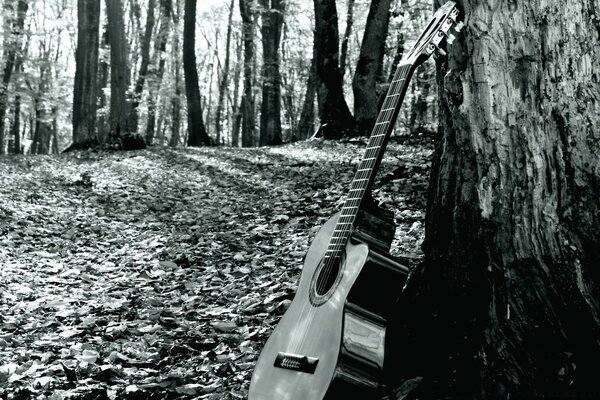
point(330, 342)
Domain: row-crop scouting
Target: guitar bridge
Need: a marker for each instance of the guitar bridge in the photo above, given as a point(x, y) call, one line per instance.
point(296, 362)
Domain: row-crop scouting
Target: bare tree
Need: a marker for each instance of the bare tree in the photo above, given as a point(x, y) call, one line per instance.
point(85, 90)
point(336, 120)
point(270, 115)
point(197, 131)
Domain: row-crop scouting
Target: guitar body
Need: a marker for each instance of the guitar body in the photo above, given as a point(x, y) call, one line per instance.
point(343, 337)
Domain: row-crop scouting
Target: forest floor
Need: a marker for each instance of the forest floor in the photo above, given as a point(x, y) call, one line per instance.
point(160, 273)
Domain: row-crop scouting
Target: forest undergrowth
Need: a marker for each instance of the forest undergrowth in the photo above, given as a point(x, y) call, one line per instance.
point(160, 273)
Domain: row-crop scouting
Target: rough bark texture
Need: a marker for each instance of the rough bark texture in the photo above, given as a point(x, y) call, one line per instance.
point(120, 106)
point(197, 131)
point(336, 120)
point(85, 91)
point(270, 115)
point(507, 303)
point(369, 67)
point(12, 45)
point(306, 124)
point(247, 102)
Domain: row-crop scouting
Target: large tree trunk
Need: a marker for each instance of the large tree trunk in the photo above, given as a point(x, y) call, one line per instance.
point(11, 46)
point(247, 102)
point(85, 91)
point(197, 131)
point(369, 67)
point(270, 115)
point(120, 105)
point(336, 120)
point(507, 303)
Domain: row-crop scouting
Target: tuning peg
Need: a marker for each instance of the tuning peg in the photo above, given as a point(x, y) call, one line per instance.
point(441, 51)
point(451, 38)
point(459, 26)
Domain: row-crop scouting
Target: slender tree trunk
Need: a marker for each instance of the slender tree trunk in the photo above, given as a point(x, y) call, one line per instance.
point(225, 78)
point(85, 91)
point(10, 53)
point(507, 303)
point(346, 37)
point(197, 131)
point(270, 116)
point(103, 128)
point(15, 130)
point(336, 120)
point(176, 109)
point(247, 103)
point(306, 125)
point(370, 66)
point(160, 48)
point(145, 54)
point(236, 106)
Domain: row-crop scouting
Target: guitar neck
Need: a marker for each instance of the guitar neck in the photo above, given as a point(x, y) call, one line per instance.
point(367, 169)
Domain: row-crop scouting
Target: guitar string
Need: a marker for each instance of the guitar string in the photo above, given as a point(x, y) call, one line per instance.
point(364, 174)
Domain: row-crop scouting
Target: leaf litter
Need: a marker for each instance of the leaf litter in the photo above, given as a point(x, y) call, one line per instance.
point(160, 273)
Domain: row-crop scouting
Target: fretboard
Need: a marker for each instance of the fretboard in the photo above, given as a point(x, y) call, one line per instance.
point(367, 168)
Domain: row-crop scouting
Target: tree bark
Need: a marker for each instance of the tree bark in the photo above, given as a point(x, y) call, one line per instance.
point(236, 107)
point(225, 78)
point(159, 50)
point(11, 47)
point(369, 67)
point(197, 131)
point(336, 120)
point(270, 115)
point(145, 62)
point(506, 304)
point(346, 37)
point(247, 102)
point(85, 90)
point(306, 125)
point(120, 104)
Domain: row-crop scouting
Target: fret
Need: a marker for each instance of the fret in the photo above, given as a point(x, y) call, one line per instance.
point(388, 109)
point(382, 123)
point(348, 208)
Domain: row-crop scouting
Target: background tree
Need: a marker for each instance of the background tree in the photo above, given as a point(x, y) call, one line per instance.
point(369, 68)
point(247, 103)
point(197, 131)
point(270, 114)
point(334, 114)
point(223, 84)
point(16, 21)
point(144, 65)
point(120, 104)
point(85, 91)
point(506, 303)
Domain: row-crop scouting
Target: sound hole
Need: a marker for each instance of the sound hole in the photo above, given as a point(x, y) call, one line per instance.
point(325, 280)
point(327, 277)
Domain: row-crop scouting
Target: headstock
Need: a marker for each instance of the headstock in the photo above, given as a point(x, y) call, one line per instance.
point(436, 35)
